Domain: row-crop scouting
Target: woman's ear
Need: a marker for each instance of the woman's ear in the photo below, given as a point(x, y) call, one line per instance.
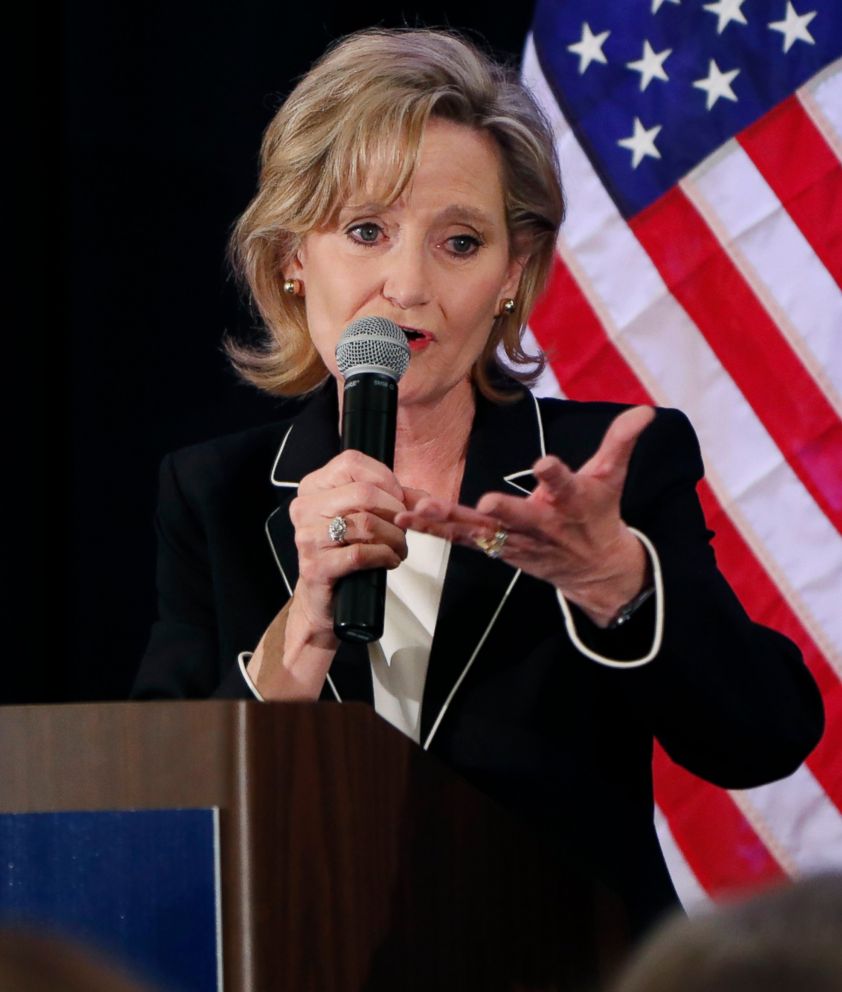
point(294, 268)
point(514, 272)
point(292, 273)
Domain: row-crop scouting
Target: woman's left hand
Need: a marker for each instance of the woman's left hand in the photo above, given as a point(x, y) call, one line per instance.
point(568, 531)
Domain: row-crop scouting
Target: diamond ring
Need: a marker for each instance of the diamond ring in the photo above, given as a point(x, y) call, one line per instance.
point(337, 529)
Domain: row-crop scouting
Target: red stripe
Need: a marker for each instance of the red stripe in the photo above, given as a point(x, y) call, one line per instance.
point(585, 362)
point(766, 605)
point(720, 845)
point(808, 184)
point(748, 343)
point(582, 356)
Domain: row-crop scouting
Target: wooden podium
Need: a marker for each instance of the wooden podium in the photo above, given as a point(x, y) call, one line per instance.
point(350, 860)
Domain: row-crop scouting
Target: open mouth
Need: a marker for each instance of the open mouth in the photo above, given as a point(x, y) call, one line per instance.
point(412, 335)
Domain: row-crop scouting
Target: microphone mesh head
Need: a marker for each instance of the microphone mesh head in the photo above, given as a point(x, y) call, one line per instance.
point(373, 344)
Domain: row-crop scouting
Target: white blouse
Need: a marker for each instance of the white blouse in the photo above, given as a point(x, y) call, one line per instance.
point(399, 659)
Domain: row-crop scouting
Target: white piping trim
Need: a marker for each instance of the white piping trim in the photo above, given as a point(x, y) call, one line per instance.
point(272, 479)
point(274, 553)
point(541, 442)
point(333, 688)
point(243, 658)
point(467, 667)
point(659, 615)
point(518, 475)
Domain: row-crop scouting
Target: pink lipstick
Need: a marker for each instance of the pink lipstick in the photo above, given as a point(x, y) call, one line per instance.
point(417, 339)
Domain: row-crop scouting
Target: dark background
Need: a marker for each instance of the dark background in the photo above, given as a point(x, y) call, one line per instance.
point(136, 138)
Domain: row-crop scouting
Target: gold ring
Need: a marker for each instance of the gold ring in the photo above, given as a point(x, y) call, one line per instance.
point(493, 546)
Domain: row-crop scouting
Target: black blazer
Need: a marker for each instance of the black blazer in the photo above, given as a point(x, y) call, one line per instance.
point(509, 701)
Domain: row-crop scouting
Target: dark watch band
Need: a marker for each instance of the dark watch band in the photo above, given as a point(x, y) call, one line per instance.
point(625, 612)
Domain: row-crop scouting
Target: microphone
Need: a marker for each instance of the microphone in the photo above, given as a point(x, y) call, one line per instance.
point(372, 355)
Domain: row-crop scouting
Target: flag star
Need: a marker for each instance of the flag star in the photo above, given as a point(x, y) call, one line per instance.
point(589, 47)
point(657, 4)
point(650, 65)
point(717, 84)
point(727, 11)
point(794, 27)
point(641, 142)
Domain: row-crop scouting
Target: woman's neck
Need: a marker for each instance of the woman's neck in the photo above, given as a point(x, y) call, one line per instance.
point(432, 440)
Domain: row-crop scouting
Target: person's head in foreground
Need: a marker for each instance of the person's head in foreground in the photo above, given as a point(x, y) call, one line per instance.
point(41, 961)
point(788, 939)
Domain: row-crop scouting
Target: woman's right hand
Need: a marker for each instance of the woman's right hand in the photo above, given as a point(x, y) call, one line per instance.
point(366, 494)
point(294, 655)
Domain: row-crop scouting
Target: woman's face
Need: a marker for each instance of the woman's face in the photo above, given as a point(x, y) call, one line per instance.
point(436, 262)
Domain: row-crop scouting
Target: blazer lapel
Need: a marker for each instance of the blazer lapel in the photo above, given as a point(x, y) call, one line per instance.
point(310, 441)
point(505, 441)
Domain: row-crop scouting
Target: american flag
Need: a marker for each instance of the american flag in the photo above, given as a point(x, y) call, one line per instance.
point(700, 267)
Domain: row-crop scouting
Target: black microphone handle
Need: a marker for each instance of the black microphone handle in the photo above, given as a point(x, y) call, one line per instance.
point(369, 418)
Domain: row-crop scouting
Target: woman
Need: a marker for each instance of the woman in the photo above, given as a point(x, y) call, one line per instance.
point(553, 600)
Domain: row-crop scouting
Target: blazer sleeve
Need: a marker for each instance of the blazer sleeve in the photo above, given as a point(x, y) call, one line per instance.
point(728, 698)
point(182, 657)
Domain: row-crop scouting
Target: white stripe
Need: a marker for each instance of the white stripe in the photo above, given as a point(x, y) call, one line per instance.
point(766, 246)
point(691, 894)
point(822, 97)
point(797, 822)
point(547, 384)
point(677, 366)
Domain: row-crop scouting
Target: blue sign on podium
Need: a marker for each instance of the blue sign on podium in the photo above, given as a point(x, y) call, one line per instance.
point(142, 885)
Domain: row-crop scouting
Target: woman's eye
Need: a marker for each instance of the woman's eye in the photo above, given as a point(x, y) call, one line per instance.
point(463, 244)
point(367, 234)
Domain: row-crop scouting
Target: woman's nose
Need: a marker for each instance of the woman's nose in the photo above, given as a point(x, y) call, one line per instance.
point(406, 278)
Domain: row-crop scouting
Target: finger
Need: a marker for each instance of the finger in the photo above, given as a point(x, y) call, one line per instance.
point(422, 525)
point(342, 501)
point(352, 466)
point(447, 520)
point(556, 482)
point(514, 513)
point(327, 566)
point(411, 497)
point(470, 536)
point(366, 528)
point(443, 511)
point(611, 461)
point(360, 528)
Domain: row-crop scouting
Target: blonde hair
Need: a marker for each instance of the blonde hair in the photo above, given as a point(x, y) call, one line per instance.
point(361, 111)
